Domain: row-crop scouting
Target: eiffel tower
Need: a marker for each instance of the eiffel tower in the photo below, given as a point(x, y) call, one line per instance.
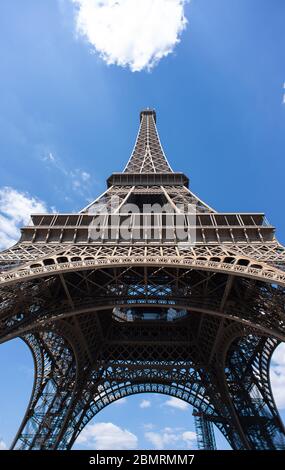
point(115, 301)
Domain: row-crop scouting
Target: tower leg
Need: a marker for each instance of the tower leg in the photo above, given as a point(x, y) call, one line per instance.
point(205, 432)
point(247, 375)
point(55, 378)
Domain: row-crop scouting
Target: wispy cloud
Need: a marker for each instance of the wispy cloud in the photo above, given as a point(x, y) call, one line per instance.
point(49, 157)
point(277, 375)
point(107, 436)
point(3, 446)
point(77, 180)
point(168, 437)
point(15, 210)
point(135, 34)
point(174, 402)
point(145, 404)
point(148, 426)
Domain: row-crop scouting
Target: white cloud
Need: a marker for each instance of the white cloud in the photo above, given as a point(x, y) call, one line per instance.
point(190, 438)
point(3, 445)
point(148, 426)
point(277, 375)
point(136, 34)
point(169, 437)
point(49, 157)
point(155, 438)
point(176, 403)
point(107, 436)
point(85, 176)
point(15, 210)
point(145, 404)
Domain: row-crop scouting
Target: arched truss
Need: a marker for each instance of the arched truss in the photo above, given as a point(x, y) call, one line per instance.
point(189, 386)
point(79, 303)
point(190, 390)
point(215, 260)
point(62, 406)
point(39, 302)
point(251, 269)
point(248, 418)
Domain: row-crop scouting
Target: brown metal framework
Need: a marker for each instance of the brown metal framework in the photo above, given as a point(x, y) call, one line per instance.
point(110, 317)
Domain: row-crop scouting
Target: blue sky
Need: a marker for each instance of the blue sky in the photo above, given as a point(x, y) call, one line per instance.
point(68, 120)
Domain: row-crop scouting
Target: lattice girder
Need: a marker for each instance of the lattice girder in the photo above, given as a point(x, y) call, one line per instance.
point(148, 155)
point(116, 381)
point(248, 379)
point(215, 258)
point(55, 377)
point(248, 302)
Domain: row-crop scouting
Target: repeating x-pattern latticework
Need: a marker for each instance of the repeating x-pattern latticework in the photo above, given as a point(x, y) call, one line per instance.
point(148, 155)
point(114, 301)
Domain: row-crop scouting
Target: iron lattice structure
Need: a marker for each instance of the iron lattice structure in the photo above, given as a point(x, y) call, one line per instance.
point(205, 432)
point(110, 316)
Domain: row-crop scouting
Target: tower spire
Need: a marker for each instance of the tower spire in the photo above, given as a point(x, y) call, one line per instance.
point(148, 155)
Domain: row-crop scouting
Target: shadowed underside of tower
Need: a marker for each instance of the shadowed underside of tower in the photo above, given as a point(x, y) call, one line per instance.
point(147, 289)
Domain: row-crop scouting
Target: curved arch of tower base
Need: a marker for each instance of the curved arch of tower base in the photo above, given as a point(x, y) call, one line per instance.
point(63, 403)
